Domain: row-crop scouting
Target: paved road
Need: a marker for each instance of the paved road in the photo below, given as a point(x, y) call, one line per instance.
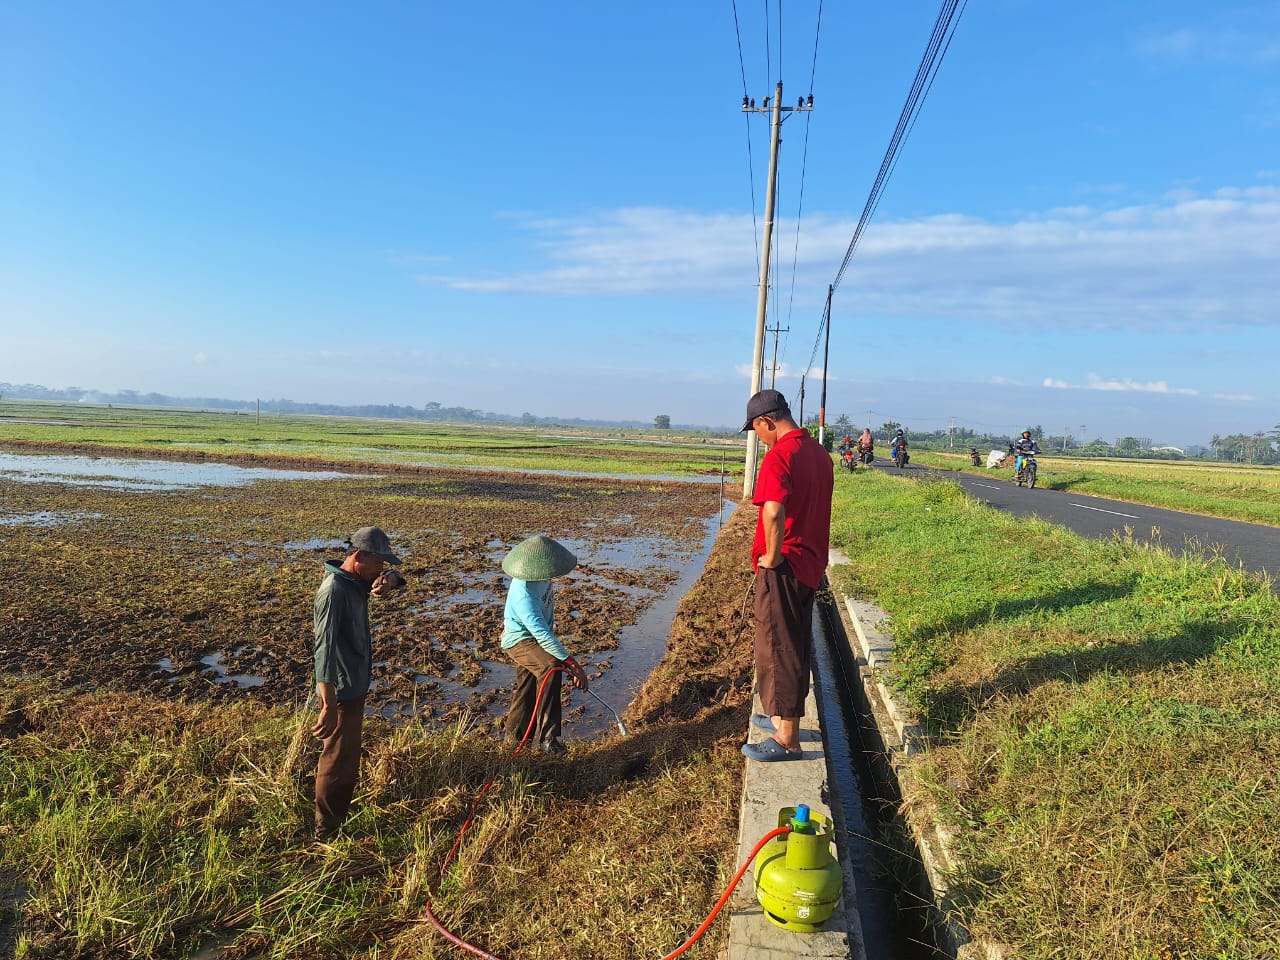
point(1255, 546)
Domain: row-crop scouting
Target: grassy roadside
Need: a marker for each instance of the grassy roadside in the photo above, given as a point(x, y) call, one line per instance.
point(145, 829)
point(1230, 491)
point(1105, 719)
point(226, 435)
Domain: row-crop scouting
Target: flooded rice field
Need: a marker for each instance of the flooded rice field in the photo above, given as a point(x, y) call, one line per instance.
point(132, 474)
point(197, 584)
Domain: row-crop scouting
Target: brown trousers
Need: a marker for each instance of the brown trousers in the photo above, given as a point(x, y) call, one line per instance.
point(338, 768)
point(532, 664)
point(783, 608)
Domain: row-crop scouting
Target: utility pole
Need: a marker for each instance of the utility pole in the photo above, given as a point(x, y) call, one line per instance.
point(773, 368)
point(826, 351)
point(762, 300)
point(1064, 439)
point(952, 431)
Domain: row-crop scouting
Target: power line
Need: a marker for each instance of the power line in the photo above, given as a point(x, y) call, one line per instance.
point(770, 273)
point(943, 29)
point(939, 43)
point(751, 173)
point(804, 165)
point(768, 50)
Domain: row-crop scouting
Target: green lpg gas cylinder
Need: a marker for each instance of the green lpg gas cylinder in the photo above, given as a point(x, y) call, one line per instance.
point(797, 879)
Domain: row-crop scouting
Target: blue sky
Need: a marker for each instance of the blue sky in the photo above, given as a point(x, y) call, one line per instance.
point(553, 208)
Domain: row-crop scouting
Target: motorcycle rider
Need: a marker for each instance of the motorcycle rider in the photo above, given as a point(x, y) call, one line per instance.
point(899, 440)
point(1024, 447)
point(866, 442)
point(974, 457)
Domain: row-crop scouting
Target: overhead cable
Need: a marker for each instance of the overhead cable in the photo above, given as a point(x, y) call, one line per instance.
point(939, 43)
point(804, 164)
point(751, 173)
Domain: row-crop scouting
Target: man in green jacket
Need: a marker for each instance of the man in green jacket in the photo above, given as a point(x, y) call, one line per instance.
point(343, 656)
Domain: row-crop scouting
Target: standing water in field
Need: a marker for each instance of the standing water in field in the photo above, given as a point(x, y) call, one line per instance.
point(196, 580)
point(135, 474)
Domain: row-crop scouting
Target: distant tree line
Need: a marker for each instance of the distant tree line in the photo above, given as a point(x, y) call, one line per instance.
point(1256, 448)
point(390, 411)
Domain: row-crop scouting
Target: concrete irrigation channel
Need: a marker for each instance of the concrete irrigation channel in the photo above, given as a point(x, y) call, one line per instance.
point(895, 904)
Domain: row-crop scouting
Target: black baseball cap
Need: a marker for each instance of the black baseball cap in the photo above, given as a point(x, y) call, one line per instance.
point(764, 404)
point(373, 540)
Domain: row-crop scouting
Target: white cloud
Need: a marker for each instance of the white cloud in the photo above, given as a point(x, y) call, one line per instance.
point(1124, 385)
point(786, 371)
point(632, 251)
point(1235, 397)
point(1234, 45)
point(1188, 262)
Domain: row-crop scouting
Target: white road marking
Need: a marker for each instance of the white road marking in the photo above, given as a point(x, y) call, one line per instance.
point(1100, 510)
point(988, 486)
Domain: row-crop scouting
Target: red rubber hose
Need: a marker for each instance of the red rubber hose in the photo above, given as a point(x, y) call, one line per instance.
point(472, 948)
point(724, 897)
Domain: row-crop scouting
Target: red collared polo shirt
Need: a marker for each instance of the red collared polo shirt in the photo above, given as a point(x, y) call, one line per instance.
point(797, 473)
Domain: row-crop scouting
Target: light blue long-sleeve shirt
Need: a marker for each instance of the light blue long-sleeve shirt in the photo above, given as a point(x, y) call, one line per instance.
point(531, 614)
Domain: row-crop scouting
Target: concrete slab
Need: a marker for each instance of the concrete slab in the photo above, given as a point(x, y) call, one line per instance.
point(767, 788)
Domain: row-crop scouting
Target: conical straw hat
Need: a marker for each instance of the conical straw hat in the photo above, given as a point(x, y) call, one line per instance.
point(538, 558)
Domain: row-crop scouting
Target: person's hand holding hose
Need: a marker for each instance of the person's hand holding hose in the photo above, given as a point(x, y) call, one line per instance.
point(576, 672)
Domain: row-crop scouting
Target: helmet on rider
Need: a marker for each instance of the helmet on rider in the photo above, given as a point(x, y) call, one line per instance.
point(899, 433)
point(1027, 434)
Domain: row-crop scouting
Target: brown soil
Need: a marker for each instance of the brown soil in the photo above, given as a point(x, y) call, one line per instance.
point(146, 586)
point(709, 661)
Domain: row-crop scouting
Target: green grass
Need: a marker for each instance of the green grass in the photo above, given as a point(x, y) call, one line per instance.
point(147, 830)
point(1232, 491)
point(1104, 722)
point(309, 438)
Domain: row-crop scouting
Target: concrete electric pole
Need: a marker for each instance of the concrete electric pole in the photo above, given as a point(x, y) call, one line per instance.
point(773, 368)
point(762, 300)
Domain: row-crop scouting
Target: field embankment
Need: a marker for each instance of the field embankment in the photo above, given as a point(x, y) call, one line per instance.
point(1104, 720)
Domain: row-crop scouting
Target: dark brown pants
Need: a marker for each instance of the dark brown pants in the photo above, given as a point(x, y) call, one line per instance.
point(338, 768)
point(783, 647)
point(532, 664)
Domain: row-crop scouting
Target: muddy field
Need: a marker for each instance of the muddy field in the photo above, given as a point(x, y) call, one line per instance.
point(206, 593)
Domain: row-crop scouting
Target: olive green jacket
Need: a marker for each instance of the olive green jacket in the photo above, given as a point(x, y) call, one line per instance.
point(343, 652)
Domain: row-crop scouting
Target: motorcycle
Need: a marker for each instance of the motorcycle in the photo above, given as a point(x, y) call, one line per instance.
point(900, 456)
point(848, 460)
point(1027, 475)
point(867, 456)
point(974, 457)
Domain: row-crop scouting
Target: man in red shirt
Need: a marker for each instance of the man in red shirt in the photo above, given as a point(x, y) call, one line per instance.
point(793, 492)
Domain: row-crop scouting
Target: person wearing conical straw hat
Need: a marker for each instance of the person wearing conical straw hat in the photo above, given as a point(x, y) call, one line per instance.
point(529, 639)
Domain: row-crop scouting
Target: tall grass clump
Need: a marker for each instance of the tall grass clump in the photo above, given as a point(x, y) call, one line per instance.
point(143, 829)
point(1104, 721)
